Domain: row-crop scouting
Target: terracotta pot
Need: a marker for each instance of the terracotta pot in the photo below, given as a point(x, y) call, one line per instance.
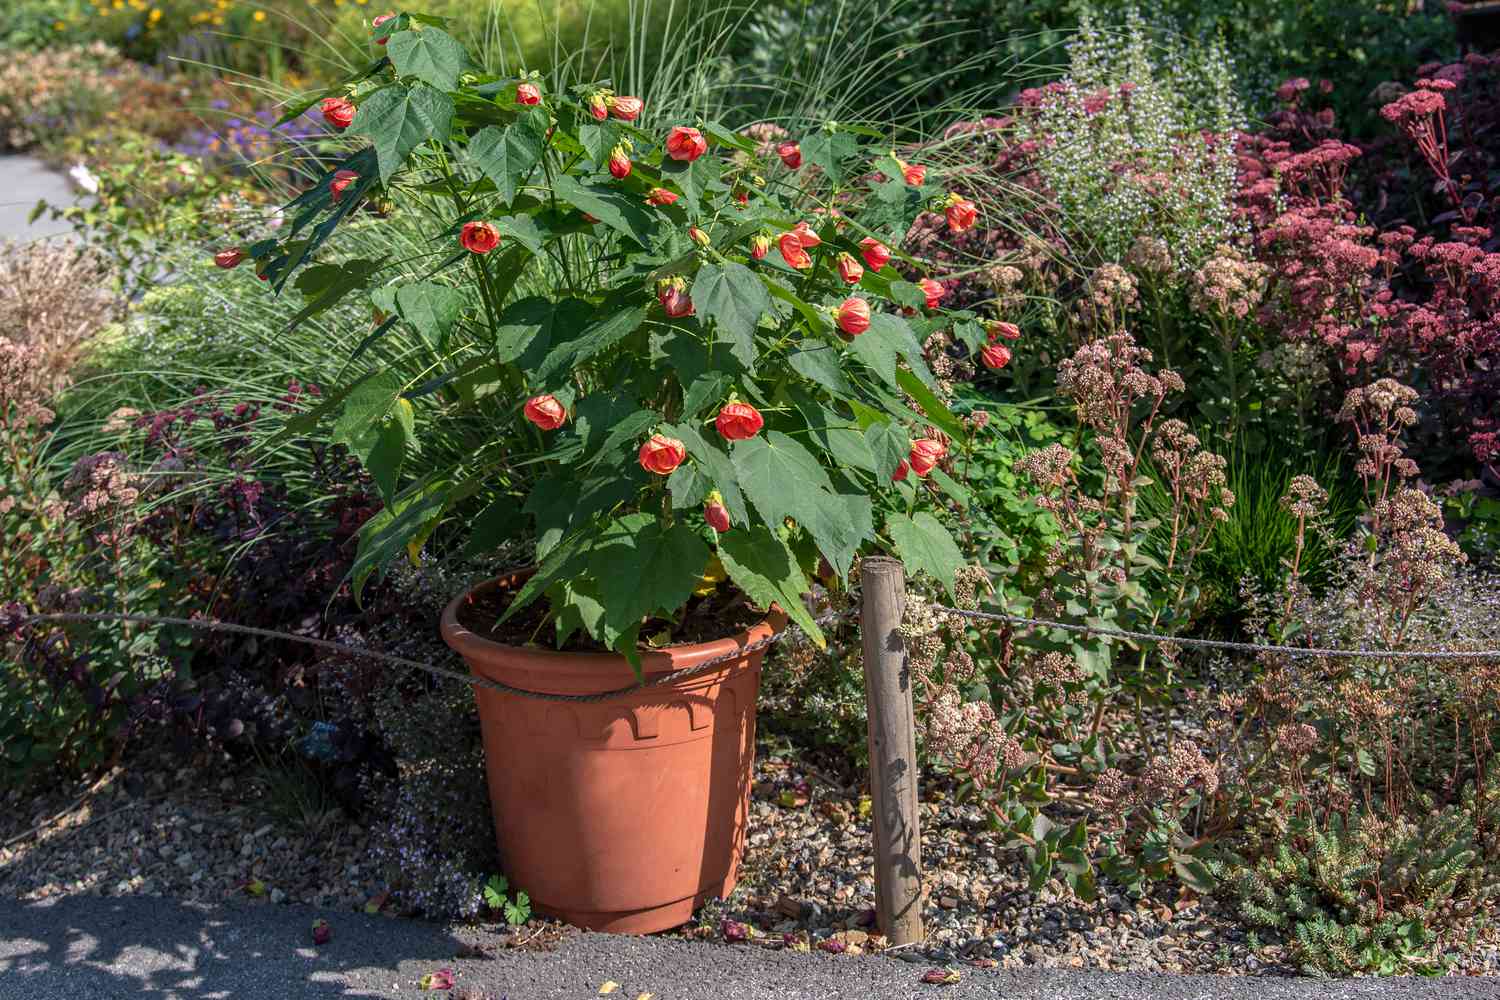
point(621, 815)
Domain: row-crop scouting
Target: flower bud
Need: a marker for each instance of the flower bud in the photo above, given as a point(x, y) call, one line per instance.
point(995, 356)
point(341, 181)
point(792, 252)
point(627, 109)
point(961, 213)
point(660, 196)
point(739, 421)
point(672, 294)
point(686, 144)
point(599, 106)
point(479, 237)
point(853, 316)
point(546, 412)
point(1000, 328)
point(913, 174)
point(901, 469)
point(338, 112)
point(850, 270)
point(934, 291)
point(715, 513)
point(760, 245)
point(875, 253)
point(662, 455)
point(619, 163)
point(229, 258)
point(377, 22)
point(528, 94)
point(698, 236)
point(925, 455)
point(791, 154)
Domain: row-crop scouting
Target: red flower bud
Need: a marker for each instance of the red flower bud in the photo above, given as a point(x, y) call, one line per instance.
point(599, 107)
point(792, 252)
point(338, 111)
point(341, 180)
point(741, 197)
point(686, 144)
point(913, 174)
point(660, 196)
point(760, 245)
point(738, 421)
point(850, 270)
point(546, 412)
point(619, 163)
point(528, 94)
point(662, 455)
point(1000, 328)
point(853, 316)
point(479, 237)
point(627, 109)
point(715, 513)
point(961, 213)
point(698, 236)
point(874, 252)
point(925, 455)
point(672, 293)
point(806, 235)
point(321, 932)
point(791, 154)
point(901, 469)
point(995, 356)
point(934, 291)
point(229, 258)
point(377, 22)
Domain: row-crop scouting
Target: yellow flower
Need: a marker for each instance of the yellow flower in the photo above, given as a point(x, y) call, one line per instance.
point(260, 15)
point(155, 15)
point(59, 25)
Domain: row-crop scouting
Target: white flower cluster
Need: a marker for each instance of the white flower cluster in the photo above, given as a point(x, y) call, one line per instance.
point(1138, 142)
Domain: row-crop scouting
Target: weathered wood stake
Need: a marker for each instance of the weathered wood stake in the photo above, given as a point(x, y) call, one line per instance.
point(893, 751)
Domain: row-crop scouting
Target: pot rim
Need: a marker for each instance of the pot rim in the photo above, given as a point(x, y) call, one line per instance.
point(602, 667)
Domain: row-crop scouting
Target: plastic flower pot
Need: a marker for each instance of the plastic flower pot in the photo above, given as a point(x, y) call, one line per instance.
point(621, 815)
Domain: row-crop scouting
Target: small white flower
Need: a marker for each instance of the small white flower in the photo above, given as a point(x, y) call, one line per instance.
point(84, 178)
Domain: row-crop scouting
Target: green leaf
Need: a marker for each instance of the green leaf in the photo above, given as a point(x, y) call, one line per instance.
point(399, 119)
point(760, 563)
point(594, 340)
point(719, 467)
point(705, 390)
point(616, 210)
point(933, 407)
point(889, 338)
point(693, 177)
point(890, 445)
point(689, 486)
point(829, 150)
point(430, 308)
point(642, 567)
point(778, 475)
point(508, 155)
point(430, 55)
point(366, 407)
point(384, 536)
point(326, 284)
point(562, 503)
point(734, 298)
point(598, 139)
point(495, 525)
point(925, 546)
point(823, 364)
point(529, 327)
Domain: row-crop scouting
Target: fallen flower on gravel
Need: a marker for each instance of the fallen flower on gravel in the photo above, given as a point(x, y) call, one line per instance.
point(377, 902)
point(833, 946)
point(733, 930)
point(255, 887)
point(609, 987)
point(321, 932)
point(442, 979)
point(941, 977)
point(986, 963)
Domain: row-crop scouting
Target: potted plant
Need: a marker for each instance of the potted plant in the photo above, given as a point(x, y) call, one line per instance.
point(726, 392)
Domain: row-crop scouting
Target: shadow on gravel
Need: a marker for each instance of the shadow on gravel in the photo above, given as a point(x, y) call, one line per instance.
point(92, 947)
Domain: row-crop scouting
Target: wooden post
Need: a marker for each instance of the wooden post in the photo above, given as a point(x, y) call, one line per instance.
point(893, 751)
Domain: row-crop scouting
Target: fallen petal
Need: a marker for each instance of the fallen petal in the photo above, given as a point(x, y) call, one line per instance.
point(609, 987)
point(941, 977)
point(442, 979)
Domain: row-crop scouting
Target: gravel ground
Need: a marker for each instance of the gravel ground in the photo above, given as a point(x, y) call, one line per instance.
point(208, 834)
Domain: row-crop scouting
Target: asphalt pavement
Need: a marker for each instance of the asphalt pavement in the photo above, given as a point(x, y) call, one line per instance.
point(25, 180)
point(98, 948)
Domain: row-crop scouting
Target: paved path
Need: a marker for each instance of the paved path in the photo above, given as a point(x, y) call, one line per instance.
point(24, 181)
point(89, 948)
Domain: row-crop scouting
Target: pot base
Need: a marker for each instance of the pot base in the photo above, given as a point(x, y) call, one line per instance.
point(646, 921)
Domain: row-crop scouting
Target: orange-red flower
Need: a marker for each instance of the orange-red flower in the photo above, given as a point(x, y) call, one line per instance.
point(686, 144)
point(901, 469)
point(806, 235)
point(874, 252)
point(738, 421)
point(925, 455)
point(850, 270)
point(995, 356)
point(627, 109)
point(479, 237)
point(338, 111)
point(229, 258)
point(528, 94)
point(961, 213)
point(853, 315)
point(913, 174)
point(660, 196)
point(341, 181)
point(791, 154)
point(792, 252)
point(672, 294)
point(619, 163)
point(662, 454)
point(546, 412)
point(934, 291)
